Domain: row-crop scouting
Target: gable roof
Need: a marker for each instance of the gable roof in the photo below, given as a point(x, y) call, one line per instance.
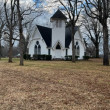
point(46, 34)
point(68, 36)
point(59, 15)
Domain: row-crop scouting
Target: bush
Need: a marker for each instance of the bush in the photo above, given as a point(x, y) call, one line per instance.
point(48, 57)
point(69, 57)
point(38, 57)
point(35, 56)
point(86, 57)
point(42, 57)
point(76, 57)
point(27, 56)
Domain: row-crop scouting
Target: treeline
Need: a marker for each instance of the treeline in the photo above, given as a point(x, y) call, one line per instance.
point(14, 18)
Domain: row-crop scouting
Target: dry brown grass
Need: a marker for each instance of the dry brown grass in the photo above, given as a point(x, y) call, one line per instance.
point(54, 85)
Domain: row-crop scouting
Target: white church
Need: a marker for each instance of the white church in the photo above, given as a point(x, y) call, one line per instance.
point(56, 41)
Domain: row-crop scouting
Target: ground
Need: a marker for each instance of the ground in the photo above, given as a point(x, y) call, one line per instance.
point(54, 85)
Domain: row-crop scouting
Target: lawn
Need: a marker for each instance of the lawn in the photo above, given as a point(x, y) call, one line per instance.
point(54, 85)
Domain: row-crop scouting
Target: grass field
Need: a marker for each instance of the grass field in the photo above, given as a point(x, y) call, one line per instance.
point(54, 85)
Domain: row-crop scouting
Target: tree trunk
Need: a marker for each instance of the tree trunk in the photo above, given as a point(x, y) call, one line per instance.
point(0, 47)
point(10, 48)
point(10, 54)
point(21, 42)
point(105, 44)
point(73, 47)
point(0, 50)
point(25, 46)
point(97, 50)
point(21, 50)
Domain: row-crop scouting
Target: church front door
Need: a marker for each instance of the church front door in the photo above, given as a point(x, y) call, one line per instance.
point(58, 53)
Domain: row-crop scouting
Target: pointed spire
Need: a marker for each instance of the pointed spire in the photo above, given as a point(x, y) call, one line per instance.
point(59, 15)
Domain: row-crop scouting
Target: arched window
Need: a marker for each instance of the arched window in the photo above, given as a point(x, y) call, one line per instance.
point(66, 52)
point(76, 42)
point(49, 51)
point(37, 42)
point(39, 49)
point(58, 46)
point(35, 49)
point(77, 49)
point(58, 23)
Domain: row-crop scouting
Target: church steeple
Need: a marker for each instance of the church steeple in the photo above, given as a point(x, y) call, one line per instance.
point(58, 28)
point(58, 16)
point(58, 19)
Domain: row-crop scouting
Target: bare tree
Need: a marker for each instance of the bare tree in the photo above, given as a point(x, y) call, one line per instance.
point(100, 9)
point(28, 26)
point(5, 48)
point(1, 28)
point(93, 32)
point(2, 24)
point(9, 9)
point(29, 29)
point(21, 42)
point(90, 50)
point(73, 9)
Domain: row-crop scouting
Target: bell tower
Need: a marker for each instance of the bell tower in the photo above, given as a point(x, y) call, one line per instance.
point(58, 28)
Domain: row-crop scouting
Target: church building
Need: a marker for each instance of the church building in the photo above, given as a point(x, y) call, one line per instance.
point(56, 41)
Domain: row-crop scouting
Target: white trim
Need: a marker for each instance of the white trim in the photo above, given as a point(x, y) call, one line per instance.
point(54, 47)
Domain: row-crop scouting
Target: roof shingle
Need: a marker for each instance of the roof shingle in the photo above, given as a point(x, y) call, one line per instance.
point(68, 36)
point(59, 15)
point(46, 33)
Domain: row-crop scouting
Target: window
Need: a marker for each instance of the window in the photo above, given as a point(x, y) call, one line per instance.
point(37, 48)
point(37, 42)
point(66, 52)
point(48, 51)
point(58, 23)
point(76, 42)
point(77, 49)
point(58, 46)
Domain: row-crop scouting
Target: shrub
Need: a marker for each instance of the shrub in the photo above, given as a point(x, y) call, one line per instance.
point(76, 57)
point(48, 57)
point(86, 57)
point(69, 57)
point(42, 57)
point(27, 56)
point(66, 58)
point(38, 57)
point(35, 57)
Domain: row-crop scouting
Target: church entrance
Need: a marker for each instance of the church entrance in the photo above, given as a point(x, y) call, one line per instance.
point(58, 51)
